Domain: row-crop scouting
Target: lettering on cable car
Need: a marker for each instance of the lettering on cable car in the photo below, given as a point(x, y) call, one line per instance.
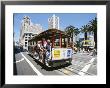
point(68, 53)
point(57, 53)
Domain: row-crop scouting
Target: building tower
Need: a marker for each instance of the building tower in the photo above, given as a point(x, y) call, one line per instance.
point(27, 31)
point(53, 22)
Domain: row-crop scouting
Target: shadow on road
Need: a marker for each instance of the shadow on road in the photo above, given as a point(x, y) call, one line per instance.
point(49, 68)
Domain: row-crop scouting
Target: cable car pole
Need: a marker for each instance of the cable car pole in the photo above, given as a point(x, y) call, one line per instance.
point(60, 40)
point(53, 40)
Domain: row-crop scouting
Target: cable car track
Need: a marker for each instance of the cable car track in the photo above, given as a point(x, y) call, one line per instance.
point(66, 71)
point(71, 70)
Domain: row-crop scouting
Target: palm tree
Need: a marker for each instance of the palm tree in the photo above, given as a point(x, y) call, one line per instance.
point(76, 31)
point(72, 32)
point(93, 28)
point(85, 30)
point(69, 31)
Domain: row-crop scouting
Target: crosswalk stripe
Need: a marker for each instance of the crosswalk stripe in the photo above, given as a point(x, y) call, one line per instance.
point(84, 70)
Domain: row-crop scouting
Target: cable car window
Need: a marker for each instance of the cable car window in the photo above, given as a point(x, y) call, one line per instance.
point(63, 43)
point(57, 41)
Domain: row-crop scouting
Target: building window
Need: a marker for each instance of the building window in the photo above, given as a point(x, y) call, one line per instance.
point(25, 39)
point(33, 42)
point(30, 43)
point(29, 34)
point(26, 34)
point(25, 43)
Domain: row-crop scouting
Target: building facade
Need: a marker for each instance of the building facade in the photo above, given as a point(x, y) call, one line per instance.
point(27, 31)
point(53, 22)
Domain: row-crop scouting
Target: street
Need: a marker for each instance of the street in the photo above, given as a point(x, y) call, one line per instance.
point(82, 64)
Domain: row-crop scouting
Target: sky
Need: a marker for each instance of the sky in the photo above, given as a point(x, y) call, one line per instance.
point(65, 19)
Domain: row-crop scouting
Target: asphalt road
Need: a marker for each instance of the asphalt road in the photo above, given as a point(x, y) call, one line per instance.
point(82, 64)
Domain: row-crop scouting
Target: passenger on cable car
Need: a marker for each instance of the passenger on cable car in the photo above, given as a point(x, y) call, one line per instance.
point(44, 42)
point(39, 49)
point(48, 48)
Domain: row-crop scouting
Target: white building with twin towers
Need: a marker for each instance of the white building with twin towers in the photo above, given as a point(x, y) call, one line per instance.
point(53, 22)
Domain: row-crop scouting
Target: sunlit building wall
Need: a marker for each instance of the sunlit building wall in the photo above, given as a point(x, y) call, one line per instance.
point(53, 22)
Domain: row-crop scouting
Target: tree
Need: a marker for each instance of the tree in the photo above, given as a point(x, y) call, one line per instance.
point(90, 27)
point(72, 32)
point(76, 31)
point(85, 30)
point(93, 28)
point(69, 31)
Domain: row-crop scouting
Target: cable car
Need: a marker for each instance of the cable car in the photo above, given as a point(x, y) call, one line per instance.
point(60, 52)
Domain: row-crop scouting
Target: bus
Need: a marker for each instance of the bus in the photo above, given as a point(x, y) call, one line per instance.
point(60, 52)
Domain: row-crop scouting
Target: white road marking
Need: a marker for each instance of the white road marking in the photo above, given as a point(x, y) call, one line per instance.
point(32, 66)
point(19, 60)
point(27, 53)
point(84, 70)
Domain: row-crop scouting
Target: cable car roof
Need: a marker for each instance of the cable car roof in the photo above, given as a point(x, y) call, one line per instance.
point(48, 34)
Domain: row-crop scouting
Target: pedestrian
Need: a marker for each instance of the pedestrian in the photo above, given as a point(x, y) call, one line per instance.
point(94, 52)
point(83, 50)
